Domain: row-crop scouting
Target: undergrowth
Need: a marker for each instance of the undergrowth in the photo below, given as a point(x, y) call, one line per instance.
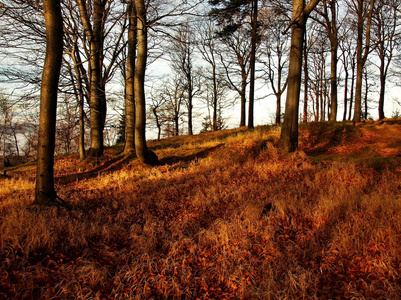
point(226, 216)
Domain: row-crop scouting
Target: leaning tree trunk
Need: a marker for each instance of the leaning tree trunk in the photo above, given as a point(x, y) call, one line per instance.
point(129, 82)
point(142, 152)
point(44, 190)
point(289, 131)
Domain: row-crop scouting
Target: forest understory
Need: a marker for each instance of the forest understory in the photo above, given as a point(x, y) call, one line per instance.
point(226, 215)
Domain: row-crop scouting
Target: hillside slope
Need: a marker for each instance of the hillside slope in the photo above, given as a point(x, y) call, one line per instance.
point(226, 216)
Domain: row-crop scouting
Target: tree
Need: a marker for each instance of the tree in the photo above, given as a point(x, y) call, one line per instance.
point(129, 80)
point(254, 41)
point(158, 102)
point(318, 81)
point(236, 63)
point(231, 16)
point(289, 131)
point(364, 21)
point(95, 39)
point(22, 41)
point(275, 47)
point(143, 153)
point(182, 61)
point(172, 95)
point(209, 51)
point(384, 33)
point(44, 191)
point(330, 23)
point(348, 57)
point(9, 128)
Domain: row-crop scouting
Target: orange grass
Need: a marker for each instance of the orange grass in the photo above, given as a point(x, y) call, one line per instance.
point(227, 216)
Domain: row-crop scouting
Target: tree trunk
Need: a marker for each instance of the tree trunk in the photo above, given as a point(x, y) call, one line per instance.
point(80, 96)
point(190, 105)
point(215, 96)
point(94, 35)
point(142, 152)
point(351, 99)
point(365, 115)
point(278, 109)
point(44, 190)
point(333, 36)
point(252, 63)
point(81, 143)
point(129, 82)
point(361, 55)
point(382, 94)
point(306, 83)
point(333, 83)
point(345, 93)
point(243, 98)
point(358, 84)
point(289, 131)
point(176, 125)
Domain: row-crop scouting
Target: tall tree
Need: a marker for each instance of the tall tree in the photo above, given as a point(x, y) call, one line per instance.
point(93, 32)
point(275, 46)
point(386, 21)
point(231, 15)
point(236, 62)
point(364, 13)
point(207, 46)
point(129, 80)
point(44, 192)
point(289, 131)
point(182, 60)
point(348, 57)
point(254, 41)
point(143, 153)
point(329, 14)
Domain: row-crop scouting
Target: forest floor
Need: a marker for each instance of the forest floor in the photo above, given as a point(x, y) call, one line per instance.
point(226, 215)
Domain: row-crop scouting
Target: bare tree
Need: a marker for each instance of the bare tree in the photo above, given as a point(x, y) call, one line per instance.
point(300, 14)
point(275, 46)
point(236, 62)
point(143, 153)
point(385, 23)
point(182, 60)
point(329, 14)
point(22, 41)
point(348, 58)
point(214, 84)
point(44, 192)
point(364, 13)
point(94, 34)
point(9, 127)
point(129, 80)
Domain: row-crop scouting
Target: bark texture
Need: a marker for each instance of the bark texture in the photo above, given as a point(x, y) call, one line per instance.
point(129, 81)
point(44, 190)
point(289, 131)
point(142, 151)
point(97, 106)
